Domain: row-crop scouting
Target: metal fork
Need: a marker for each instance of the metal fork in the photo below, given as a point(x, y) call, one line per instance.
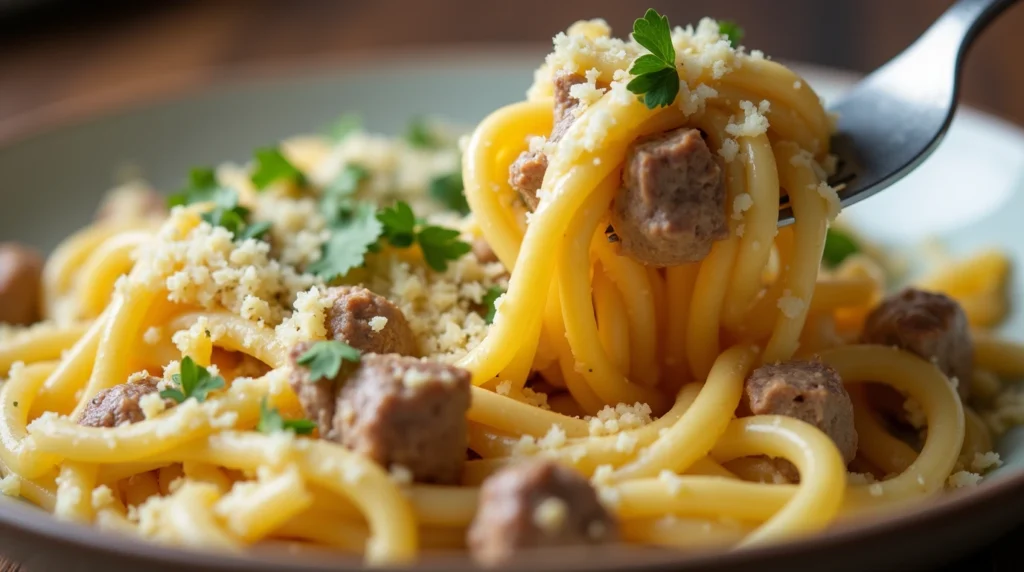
point(892, 120)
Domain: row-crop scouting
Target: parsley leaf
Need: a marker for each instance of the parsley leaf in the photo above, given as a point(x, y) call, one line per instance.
point(337, 196)
point(731, 31)
point(345, 125)
point(272, 166)
point(202, 187)
point(450, 191)
point(351, 238)
point(419, 134)
point(838, 246)
point(399, 224)
point(492, 295)
point(657, 80)
point(232, 216)
point(439, 245)
point(193, 381)
point(323, 359)
point(653, 32)
point(272, 422)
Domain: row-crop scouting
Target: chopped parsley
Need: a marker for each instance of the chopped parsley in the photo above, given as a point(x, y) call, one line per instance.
point(337, 196)
point(272, 422)
point(345, 125)
point(492, 295)
point(226, 212)
point(359, 229)
point(838, 246)
point(202, 187)
point(354, 233)
point(419, 134)
point(732, 32)
point(399, 224)
point(657, 80)
point(272, 166)
point(450, 191)
point(194, 381)
point(439, 244)
point(232, 216)
point(323, 359)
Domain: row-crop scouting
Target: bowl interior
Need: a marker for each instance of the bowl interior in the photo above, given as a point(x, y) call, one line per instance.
point(969, 193)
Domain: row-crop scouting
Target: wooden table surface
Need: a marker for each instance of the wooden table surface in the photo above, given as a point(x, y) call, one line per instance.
point(74, 57)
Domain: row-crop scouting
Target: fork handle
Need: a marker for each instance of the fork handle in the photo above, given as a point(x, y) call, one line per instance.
point(935, 59)
point(970, 17)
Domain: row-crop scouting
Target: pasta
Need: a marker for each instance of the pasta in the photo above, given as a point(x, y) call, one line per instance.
point(158, 395)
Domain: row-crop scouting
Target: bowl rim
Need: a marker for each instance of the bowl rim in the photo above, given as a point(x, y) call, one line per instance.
point(139, 94)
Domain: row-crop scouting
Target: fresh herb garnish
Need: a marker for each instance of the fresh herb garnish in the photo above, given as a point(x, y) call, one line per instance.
point(354, 232)
point(439, 244)
point(272, 166)
point(323, 359)
point(420, 134)
point(838, 246)
point(344, 126)
point(337, 196)
point(492, 295)
point(399, 224)
point(657, 80)
point(450, 191)
point(202, 187)
point(272, 422)
point(193, 381)
point(732, 32)
point(226, 211)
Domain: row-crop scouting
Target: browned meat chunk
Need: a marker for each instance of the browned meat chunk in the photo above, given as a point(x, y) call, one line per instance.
point(536, 504)
point(526, 175)
point(527, 172)
point(807, 390)
point(672, 204)
point(119, 404)
point(318, 398)
point(132, 203)
point(350, 319)
point(396, 410)
point(21, 271)
point(930, 325)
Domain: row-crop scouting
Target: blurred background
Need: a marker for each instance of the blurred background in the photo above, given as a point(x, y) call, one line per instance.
point(102, 52)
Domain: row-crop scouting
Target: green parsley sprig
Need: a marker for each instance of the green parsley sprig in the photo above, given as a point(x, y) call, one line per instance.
point(439, 244)
point(324, 358)
point(490, 297)
point(272, 422)
point(336, 201)
point(353, 234)
point(420, 134)
point(838, 246)
point(449, 190)
point(194, 381)
point(731, 31)
point(226, 212)
point(272, 166)
point(657, 79)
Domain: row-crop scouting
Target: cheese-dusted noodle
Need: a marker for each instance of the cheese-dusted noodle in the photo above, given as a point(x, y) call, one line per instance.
point(222, 373)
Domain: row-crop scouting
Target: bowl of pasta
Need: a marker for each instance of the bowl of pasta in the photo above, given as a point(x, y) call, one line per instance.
point(454, 326)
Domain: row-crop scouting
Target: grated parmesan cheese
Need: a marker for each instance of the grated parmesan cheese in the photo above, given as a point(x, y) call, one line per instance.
point(963, 479)
point(984, 462)
point(755, 120)
point(790, 305)
point(550, 514)
point(377, 323)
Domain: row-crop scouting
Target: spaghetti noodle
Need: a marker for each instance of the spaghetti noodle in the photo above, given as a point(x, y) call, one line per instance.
point(631, 375)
